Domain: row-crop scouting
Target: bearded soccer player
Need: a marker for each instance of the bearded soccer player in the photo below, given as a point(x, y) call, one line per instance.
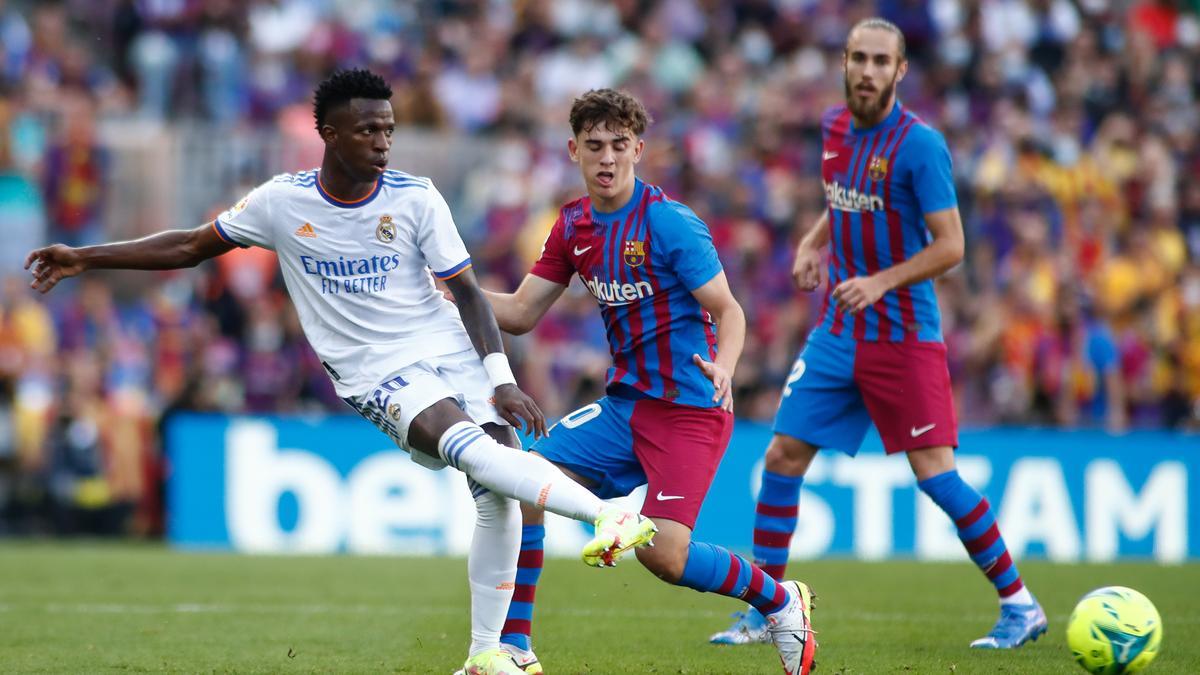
point(359, 246)
point(877, 354)
point(675, 333)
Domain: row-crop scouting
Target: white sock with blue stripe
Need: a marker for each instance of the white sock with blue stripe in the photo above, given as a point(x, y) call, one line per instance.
point(492, 565)
point(515, 473)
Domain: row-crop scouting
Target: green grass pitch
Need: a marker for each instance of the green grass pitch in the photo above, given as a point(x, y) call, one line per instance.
point(94, 608)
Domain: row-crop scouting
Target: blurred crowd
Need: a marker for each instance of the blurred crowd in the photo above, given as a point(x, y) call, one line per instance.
point(1074, 127)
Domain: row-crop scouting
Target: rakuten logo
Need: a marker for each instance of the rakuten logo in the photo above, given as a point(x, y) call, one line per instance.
point(851, 200)
point(615, 294)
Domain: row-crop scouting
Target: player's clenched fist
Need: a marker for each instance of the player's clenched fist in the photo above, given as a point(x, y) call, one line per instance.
point(52, 264)
point(855, 295)
point(515, 407)
point(806, 271)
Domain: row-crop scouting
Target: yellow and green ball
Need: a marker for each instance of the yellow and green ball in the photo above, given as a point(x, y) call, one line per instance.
point(1113, 631)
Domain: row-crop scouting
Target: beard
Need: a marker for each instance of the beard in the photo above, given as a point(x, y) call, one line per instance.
point(869, 110)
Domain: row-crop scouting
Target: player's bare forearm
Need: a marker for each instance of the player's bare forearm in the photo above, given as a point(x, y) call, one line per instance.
point(731, 336)
point(517, 313)
point(806, 269)
point(932, 261)
point(511, 403)
point(507, 312)
point(817, 235)
point(168, 250)
point(944, 252)
point(476, 312)
point(172, 249)
point(716, 298)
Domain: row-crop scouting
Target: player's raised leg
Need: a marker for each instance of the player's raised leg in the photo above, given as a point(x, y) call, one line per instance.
point(444, 431)
point(1021, 617)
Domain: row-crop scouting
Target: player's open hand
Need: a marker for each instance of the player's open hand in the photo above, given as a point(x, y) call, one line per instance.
point(519, 410)
point(51, 265)
point(721, 379)
point(806, 271)
point(856, 294)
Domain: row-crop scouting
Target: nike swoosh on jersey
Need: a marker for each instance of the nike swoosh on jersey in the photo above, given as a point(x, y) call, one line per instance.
point(828, 155)
point(917, 431)
point(666, 498)
point(581, 251)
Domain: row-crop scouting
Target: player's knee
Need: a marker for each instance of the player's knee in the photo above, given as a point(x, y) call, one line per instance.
point(664, 561)
point(493, 510)
point(789, 456)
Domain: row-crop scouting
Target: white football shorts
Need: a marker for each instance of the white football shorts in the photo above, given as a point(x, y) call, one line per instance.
point(393, 404)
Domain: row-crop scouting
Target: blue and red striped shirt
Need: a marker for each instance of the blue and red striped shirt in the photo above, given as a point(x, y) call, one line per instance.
point(642, 263)
point(879, 184)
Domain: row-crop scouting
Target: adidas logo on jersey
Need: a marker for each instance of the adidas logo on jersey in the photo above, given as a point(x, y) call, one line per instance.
point(614, 294)
point(306, 230)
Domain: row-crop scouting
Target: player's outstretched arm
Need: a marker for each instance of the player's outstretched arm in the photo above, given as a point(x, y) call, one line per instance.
point(512, 403)
point(517, 313)
point(172, 249)
point(716, 298)
point(944, 252)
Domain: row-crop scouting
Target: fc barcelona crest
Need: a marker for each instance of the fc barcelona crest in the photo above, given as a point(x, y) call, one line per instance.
point(635, 253)
point(386, 232)
point(878, 168)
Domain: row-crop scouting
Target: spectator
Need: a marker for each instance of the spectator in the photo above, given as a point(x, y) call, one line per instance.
point(1073, 127)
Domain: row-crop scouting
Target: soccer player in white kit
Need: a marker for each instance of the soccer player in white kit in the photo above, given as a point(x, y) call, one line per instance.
point(359, 246)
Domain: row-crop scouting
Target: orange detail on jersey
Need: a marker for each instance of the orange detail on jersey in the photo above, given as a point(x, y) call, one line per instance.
point(306, 230)
point(343, 201)
point(221, 235)
point(455, 274)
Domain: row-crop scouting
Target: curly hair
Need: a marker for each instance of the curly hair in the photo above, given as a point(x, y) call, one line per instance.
point(615, 109)
point(344, 85)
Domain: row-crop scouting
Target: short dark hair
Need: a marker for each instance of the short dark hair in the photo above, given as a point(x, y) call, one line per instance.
point(882, 24)
point(616, 109)
point(344, 85)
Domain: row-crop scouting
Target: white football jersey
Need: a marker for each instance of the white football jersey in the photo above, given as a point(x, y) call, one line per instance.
point(360, 273)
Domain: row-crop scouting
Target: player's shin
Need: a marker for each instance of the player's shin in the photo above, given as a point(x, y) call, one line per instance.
point(713, 569)
point(518, 625)
point(491, 565)
point(979, 532)
point(775, 519)
point(517, 474)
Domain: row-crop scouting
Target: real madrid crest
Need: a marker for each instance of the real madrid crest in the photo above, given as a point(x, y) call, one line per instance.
point(878, 168)
point(635, 253)
point(386, 231)
point(393, 411)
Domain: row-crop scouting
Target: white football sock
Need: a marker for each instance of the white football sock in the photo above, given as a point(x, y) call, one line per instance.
point(515, 473)
point(492, 565)
point(1021, 597)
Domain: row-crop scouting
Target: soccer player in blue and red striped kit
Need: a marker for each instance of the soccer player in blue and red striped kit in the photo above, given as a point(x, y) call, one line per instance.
point(877, 355)
point(675, 333)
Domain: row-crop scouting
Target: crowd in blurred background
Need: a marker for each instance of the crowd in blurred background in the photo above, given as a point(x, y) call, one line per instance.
point(1074, 127)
